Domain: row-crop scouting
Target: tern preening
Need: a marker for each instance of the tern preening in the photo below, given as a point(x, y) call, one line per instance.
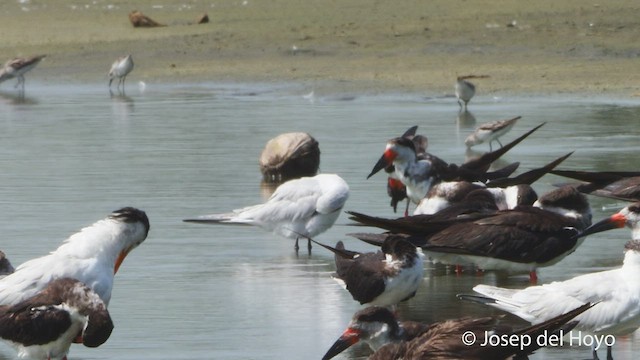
point(303, 207)
point(383, 278)
point(43, 326)
point(617, 291)
point(91, 256)
point(391, 339)
point(17, 67)
point(120, 69)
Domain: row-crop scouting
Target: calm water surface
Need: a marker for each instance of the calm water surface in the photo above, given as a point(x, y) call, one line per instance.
point(70, 155)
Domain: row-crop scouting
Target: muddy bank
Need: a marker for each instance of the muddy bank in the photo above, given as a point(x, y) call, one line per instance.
point(339, 45)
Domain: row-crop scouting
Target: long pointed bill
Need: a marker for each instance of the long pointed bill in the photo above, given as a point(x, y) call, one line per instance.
point(348, 338)
point(120, 259)
point(616, 221)
point(385, 160)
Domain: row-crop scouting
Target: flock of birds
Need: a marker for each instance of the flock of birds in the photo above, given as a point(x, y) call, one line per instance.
point(467, 214)
point(17, 67)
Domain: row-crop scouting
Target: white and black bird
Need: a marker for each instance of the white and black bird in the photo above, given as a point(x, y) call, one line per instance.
point(395, 188)
point(91, 256)
point(519, 240)
point(120, 69)
point(43, 326)
point(17, 67)
point(511, 241)
point(617, 291)
point(420, 174)
point(303, 207)
point(490, 132)
point(383, 278)
point(508, 192)
point(391, 339)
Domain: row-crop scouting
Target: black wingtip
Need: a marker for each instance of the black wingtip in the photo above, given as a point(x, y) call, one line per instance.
point(476, 298)
point(411, 131)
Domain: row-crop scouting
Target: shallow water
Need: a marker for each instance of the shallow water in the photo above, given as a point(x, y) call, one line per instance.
point(71, 154)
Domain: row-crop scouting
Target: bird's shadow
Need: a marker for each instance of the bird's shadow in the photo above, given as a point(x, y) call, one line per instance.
point(465, 119)
point(17, 98)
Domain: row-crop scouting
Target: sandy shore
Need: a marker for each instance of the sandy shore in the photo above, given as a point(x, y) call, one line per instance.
point(542, 46)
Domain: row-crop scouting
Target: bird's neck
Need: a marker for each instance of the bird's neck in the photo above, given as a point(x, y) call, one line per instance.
point(100, 240)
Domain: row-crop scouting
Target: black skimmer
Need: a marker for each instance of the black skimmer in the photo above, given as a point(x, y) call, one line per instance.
point(17, 67)
point(92, 256)
point(395, 188)
point(513, 241)
point(44, 325)
point(383, 278)
point(617, 290)
point(465, 89)
point(478, 204)
point(289, 156)
point(5, 265)
point(306, 206)
point(509, 192)
point(463, 338)
point(420, 174)
point(120, 69)
point(620, 185)
point(518, 240)
point(490, 132)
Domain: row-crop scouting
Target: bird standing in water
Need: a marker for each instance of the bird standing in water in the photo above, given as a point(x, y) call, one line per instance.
point(17, 67)
point(465, 90)
point(120, 69)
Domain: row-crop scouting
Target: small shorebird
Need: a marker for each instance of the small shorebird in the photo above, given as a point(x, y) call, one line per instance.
point(465, 89)
point(91, 256)
point(489, 132)
point(43, 326)
point(120, 69)
point(303, 207)
point(617, 291)
point(383, 278)
point(17, 67)
point(464, 338)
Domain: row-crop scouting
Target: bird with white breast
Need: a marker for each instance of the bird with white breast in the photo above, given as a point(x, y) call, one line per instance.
point(120, 69)
point(92, 256)
point(307, 206)
point(391, 339)
point(43, 326)
point(383, 278)
point(616, 291)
